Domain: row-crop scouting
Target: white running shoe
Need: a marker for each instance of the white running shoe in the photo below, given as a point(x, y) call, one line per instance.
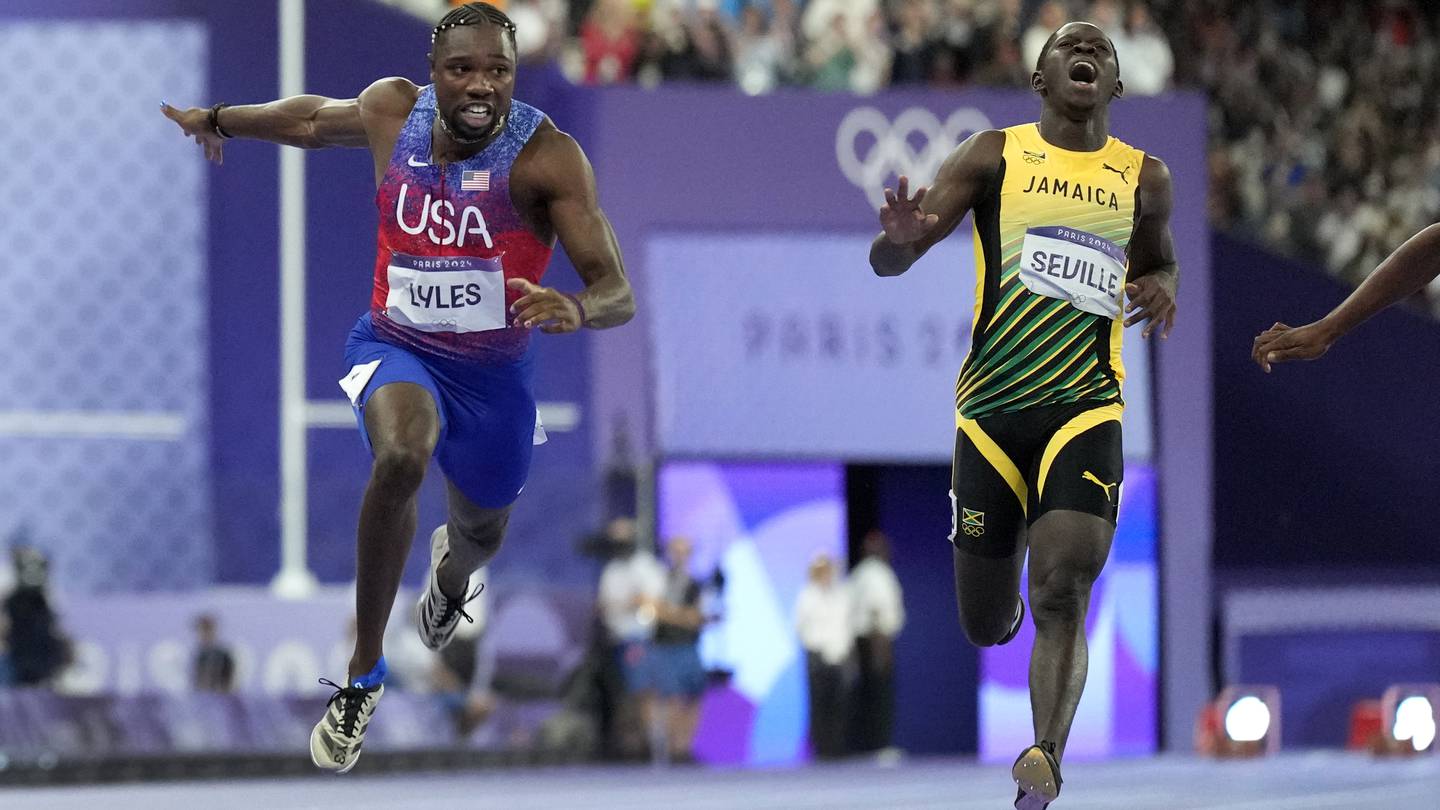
point(437, 615)
point(335, 742)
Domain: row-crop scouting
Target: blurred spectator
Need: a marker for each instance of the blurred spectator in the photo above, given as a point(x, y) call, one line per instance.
point(819, 18)
point(539, 27)
point(38, 650)
point(689, 42)
point(1146, 62)
point(610, 42)
point(964, 40)
point(677, 677)
point(213, 668)
point(842, 59)
point(915, 51)
point(878, 615)
point(761, 52)
point(1050, 17)
point(630, 584)
point(7, 673)
point(822, 620)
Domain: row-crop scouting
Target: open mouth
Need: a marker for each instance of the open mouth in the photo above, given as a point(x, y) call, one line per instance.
point(476, 115)
point(1083, 71)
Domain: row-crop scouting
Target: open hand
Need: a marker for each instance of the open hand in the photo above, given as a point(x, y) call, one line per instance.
point(195, 123)
point(1152, 298)
point(901, 217)
point(551, 310)
point(1281, 343)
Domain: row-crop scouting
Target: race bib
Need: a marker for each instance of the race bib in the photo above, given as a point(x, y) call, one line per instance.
point(1074, 266)
point(446, 293)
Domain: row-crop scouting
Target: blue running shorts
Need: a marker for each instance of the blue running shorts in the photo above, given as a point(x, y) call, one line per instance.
point(487, 411)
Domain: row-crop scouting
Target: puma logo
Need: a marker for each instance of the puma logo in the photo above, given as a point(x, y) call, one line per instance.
point(1123, 176)
point(1089, 476)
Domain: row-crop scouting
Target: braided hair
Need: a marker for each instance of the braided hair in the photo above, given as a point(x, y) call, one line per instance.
point(474, 14)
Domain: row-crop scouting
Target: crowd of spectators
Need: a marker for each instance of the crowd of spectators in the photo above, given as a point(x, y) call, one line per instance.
point(1325, 139)
point(1325, 132)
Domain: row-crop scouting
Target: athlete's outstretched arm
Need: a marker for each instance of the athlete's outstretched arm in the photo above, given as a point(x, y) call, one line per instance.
point(309, 122)
point(908, 230)
point(1402, 274)
point(1154, 277)
point(566, 184)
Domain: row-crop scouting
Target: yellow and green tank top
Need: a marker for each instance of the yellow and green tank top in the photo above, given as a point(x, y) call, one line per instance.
point(1051, 239)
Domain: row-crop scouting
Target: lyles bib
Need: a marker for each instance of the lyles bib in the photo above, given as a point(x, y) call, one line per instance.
point(446, 293)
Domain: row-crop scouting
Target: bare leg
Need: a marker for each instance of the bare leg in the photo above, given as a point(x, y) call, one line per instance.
point(475, 534)
point(1067, 551)
point(403, 425)
point(684, 716)
point(986, 588)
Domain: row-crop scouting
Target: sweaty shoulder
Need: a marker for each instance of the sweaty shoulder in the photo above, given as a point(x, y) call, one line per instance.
point(390, 98)
point(1154, 175)
point(977, 156)
point(550, 159)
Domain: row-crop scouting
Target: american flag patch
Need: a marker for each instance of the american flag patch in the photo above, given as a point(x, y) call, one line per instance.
point(475, 180)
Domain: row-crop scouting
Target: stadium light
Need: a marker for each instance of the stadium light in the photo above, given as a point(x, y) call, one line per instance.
point(1244, 721)
point(1410, 713)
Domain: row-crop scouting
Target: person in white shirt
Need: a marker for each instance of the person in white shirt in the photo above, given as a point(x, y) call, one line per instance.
point(630, 585)
point(1050, 17)
point(822, 620)
point(878, 615)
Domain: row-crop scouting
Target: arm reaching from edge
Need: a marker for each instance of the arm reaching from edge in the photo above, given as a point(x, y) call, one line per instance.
point(1402, 274)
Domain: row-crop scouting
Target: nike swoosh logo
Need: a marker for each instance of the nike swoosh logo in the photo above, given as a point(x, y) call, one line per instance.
point(412, 162)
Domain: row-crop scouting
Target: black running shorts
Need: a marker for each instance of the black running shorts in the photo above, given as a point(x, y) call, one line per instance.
point(1011, 468)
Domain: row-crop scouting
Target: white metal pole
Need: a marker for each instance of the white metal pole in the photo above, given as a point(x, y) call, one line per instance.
point(294, 580)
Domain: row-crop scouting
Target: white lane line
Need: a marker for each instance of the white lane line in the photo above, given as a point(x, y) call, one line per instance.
point(558, 417)
point(77, 424)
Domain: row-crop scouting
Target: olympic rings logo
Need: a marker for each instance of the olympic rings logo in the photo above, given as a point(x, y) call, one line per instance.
point(893, 151)
point(974, 531)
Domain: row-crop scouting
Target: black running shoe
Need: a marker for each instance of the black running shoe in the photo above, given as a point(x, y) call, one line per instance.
point(437, 615)
point(1037, 774)
point(1019, 621)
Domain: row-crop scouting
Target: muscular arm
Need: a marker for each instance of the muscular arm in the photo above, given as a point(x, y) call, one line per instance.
point(961, 182)
point(1152, 247)
point(567, 190)
point(1154, 276)
point(1412, 266)
point(308, 122)
point(1402, 274)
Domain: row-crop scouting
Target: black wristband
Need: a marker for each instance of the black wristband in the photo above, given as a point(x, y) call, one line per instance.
point(215, 120)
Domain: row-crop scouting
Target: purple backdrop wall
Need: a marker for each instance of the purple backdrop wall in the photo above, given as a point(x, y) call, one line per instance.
point(1362, 399)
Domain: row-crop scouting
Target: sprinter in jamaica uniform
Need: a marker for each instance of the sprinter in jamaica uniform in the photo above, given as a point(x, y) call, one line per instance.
point(1068, 222)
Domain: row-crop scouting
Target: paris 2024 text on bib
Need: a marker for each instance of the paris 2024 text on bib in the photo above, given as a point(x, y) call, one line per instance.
point(1075, 266)
point(446, 293)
